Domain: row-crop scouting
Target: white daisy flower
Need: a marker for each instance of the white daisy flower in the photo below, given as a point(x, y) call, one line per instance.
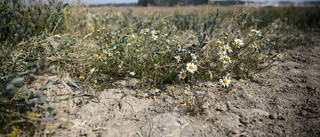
point(187, 91)
point(223, 50)
point(168, 40)
point(178, 58)
point(129, 44)
point(132, 35)
point(183, 74)
point(193, 56)
point(228, 59)
point(191, 67)
point(153, 32)
point(253, 30)
point(239, 42)
point(157, 90)
point(132, 73)
point(211, 75)
point(146, 30)
point(222, 57)
point(91, 70)
point(179, 47)
point(155, 37)
point(226, 80)
point(219, 42)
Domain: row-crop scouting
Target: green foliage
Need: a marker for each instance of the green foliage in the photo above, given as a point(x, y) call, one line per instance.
point(305, 18)
point(24, 66)
point(181, 48)
point(20, 21)
point(147, 48)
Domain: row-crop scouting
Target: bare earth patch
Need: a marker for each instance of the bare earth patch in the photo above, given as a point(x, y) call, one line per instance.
point(283, 101)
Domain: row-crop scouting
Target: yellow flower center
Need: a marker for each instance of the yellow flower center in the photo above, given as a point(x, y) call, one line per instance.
point(221, 55)
point(224, 48)
point(184, 74)
point(280, 55)
point(210, 74)
point(228, 58)
point(225, 81)
point(238, 42)
point(178, 58)
point(154, 36)
point(191, 67)
point(110, 54)
point(188, 89)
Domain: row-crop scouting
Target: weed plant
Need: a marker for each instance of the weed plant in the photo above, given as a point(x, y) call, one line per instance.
point(181, 48)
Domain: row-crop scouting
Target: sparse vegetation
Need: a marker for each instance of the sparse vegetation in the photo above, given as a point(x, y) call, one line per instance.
point(179, 48)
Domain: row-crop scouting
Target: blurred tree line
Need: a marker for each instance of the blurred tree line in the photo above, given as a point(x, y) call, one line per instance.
point(171, 2)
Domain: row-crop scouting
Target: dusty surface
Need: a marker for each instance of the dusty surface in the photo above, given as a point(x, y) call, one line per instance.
point(282, 101)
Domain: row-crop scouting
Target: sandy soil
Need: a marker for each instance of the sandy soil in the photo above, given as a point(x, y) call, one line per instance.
point(282, 101)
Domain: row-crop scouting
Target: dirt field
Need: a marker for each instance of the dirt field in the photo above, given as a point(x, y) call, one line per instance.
point(283, 101)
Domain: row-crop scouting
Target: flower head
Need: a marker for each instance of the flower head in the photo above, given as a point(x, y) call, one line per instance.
point(183, 74)
point(157, 90)
point(191, 67)
point(193, 56)
point(226, 80)
point(132, 73)
point(154, 32)
point(187, 91)
point(239, 42)
point(211, 75)
point(178, 58)
point(91, 70)
point(223, 50)
point(155, 37)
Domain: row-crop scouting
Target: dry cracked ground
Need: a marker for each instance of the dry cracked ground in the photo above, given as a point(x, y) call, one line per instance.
point(282, 101)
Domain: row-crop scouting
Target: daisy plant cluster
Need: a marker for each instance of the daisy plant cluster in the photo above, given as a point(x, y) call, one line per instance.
point(155, 52)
